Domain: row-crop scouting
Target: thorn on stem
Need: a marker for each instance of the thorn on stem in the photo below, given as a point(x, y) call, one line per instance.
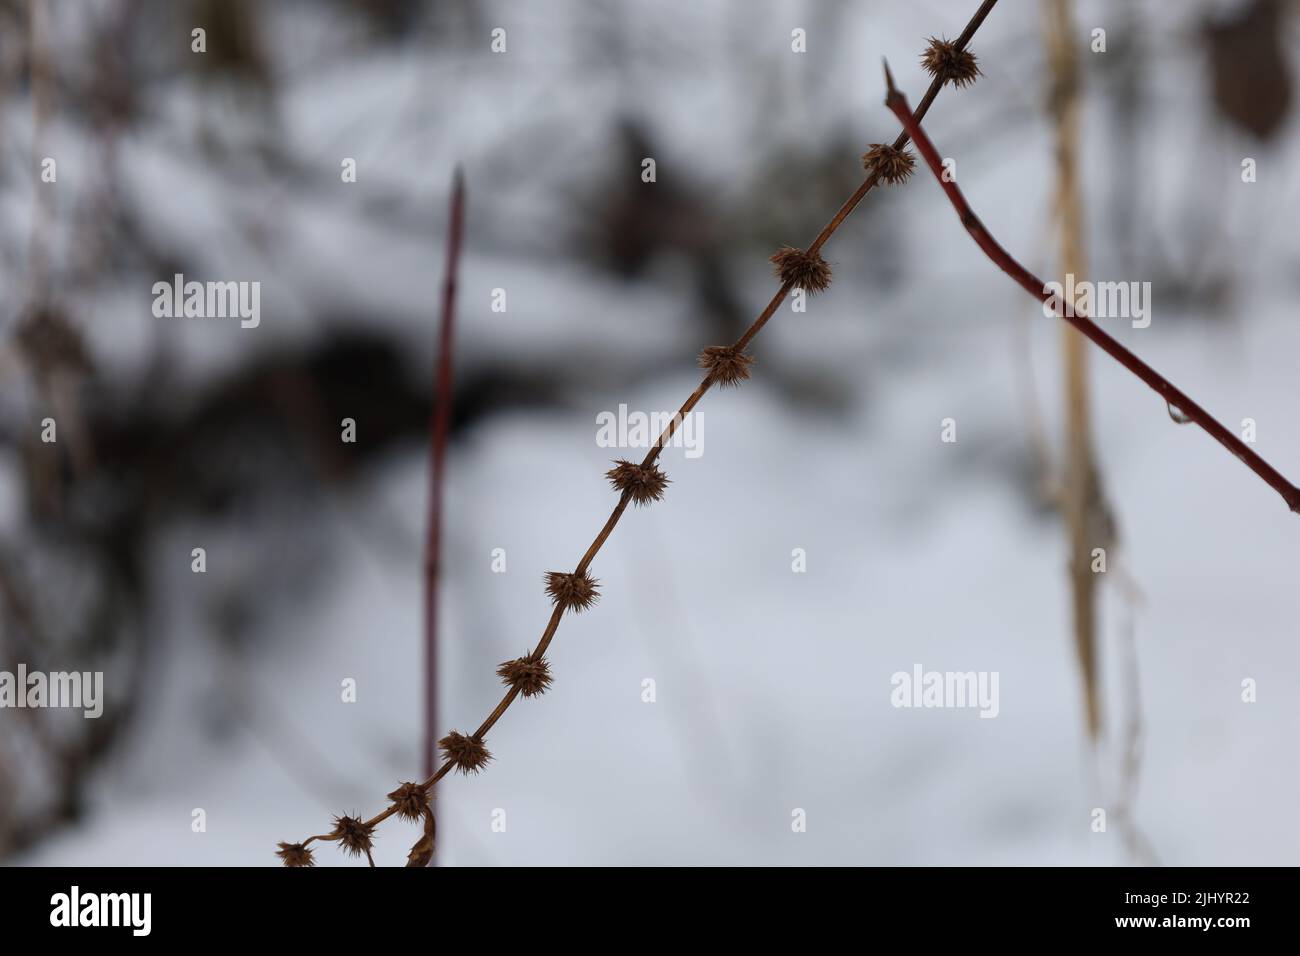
point(891, 91)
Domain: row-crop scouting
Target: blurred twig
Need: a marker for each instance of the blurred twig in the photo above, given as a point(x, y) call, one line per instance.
point(437, 469)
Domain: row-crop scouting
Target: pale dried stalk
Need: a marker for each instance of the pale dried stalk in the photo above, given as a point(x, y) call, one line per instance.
point(1083, 505)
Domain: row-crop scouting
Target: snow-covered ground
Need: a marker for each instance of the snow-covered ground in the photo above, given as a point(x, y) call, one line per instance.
point(772, 686)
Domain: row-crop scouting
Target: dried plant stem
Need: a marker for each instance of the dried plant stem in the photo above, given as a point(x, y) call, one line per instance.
point(922, 108)
point(653, 454)
point(437, 465)
point(709, 380)
point(1173, 396)
point(1082, 502)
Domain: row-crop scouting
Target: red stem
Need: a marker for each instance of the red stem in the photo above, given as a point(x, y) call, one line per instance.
point(441, 420)
point(1173, 396)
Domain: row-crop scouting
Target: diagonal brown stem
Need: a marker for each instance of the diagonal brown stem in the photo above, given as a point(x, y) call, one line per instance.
point(827, 231)
point(1172, 395)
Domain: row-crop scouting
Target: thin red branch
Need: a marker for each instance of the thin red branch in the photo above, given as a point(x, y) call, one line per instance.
point(441, 420)
point(1173, 396)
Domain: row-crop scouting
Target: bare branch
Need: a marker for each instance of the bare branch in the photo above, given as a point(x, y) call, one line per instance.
point(1173, 396)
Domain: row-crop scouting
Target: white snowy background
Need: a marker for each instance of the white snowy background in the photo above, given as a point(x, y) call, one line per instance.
point(773, 687)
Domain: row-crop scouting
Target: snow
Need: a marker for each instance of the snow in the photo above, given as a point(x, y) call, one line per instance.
point(772, 686)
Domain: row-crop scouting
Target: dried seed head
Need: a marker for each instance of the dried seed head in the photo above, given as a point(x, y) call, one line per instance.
point(530, 677)
point(295, 854)
point(410, 800)
point(572, 592)
point(355, 836)
point(942, 59)
point(806, 270)
point(644, 483)
point(890, 165)
point(727, 364)
point(466, 754)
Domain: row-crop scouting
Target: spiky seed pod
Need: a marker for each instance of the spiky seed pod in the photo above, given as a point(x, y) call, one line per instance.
point(643, 483)
point(942, 59)
point(805, 270)
point(295, 854)
point(727, 364)
point(354, 835)
point(530, 677)
point(466, 754)
point(572, 592)
point(890, 165)
point(410, 800)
